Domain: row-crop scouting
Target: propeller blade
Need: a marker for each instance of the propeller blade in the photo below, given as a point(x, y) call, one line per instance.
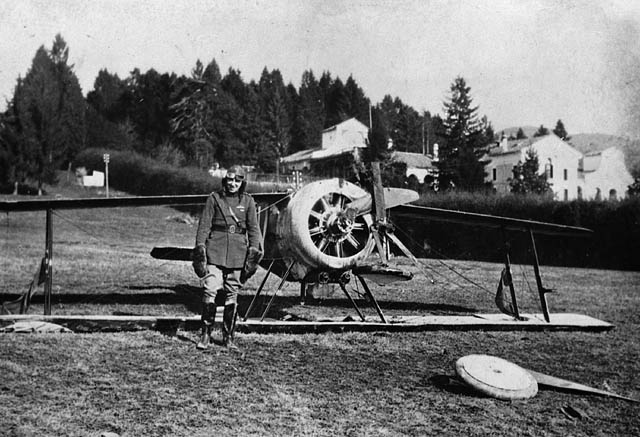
point(378, 193)
point(393, 197)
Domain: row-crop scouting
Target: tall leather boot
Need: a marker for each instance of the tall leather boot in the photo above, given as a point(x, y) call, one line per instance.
point(229, 325)
point(207, 318)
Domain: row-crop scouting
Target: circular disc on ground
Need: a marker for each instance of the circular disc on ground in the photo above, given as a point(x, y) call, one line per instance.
point(496, 377)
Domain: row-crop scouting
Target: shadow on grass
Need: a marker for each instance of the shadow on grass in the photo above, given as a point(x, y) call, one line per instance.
point(191, 297)
point(186, 295)
point(453, 386)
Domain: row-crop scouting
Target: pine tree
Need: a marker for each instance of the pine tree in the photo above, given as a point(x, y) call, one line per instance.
point(309, 118)
point(542, 131)
point(149, 97)
point(520, 134)
point(358, 103)
point(337, 103)
point(276, 104)
point(191, 115)
point(50, 113)
point(560, 131)
point(526, 178)
point(459, 164)
point(107, 96)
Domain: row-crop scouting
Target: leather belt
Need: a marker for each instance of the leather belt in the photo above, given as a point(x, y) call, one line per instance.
point(231, 229)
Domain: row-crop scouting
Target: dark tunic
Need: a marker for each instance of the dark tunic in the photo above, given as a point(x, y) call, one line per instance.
point(227, 237)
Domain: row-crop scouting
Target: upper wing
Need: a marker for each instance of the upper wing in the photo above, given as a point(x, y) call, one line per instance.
point(486, 220)
point(113, 202)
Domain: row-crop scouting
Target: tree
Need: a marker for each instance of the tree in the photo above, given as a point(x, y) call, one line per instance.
point(306, 132)
point(50, 113)
point(526, 178)
point(520, 134)
point(276, 115)
point(459, 164)
point(542, 131)
point(634, 188)
point(337, 103)
point(358, 103)
point(560, 131)
point(17, 154)
point(248, 127)
point(148, 99)
point(107, 96)
point(192, 114)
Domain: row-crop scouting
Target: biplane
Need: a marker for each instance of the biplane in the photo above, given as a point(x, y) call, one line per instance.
point(325, 232)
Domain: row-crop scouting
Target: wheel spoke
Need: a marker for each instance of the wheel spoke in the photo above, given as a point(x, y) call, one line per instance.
point(325, 205)
point(358, 226)
point(323, 244)
point(339, 249)
point(315, 231)
point(316, 215)
point(352, 240)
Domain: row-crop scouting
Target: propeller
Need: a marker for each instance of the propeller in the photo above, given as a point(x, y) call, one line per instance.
point(383, 200)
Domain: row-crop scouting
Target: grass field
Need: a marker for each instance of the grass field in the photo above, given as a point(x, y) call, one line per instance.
point(356, 384)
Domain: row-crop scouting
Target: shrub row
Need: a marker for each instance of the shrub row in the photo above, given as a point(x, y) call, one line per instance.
point(136, 174)
point(616, 227)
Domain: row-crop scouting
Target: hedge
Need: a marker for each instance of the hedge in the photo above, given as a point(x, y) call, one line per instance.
point(616, 226)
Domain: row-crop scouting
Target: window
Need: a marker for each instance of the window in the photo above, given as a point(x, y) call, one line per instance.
point(566, 174)
point(613, 194)
point(548, 169)
point(580, 193)
point(495, 174)
point(566, 194)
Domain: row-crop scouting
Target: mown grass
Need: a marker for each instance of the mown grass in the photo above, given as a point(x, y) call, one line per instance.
point(149, 383)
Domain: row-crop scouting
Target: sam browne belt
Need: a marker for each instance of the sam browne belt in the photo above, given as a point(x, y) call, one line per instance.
point(231, 229)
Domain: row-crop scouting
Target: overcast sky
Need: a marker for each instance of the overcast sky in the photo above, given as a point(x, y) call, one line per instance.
point(528, 62)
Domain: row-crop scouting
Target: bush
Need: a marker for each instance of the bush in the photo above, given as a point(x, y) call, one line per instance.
point(140, 175)
point(616, 227)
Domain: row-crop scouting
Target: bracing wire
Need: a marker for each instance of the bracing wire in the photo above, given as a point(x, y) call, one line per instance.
point(266, 208)
point(448, 267)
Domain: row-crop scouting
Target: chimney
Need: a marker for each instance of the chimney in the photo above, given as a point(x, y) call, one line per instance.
point(504, 144)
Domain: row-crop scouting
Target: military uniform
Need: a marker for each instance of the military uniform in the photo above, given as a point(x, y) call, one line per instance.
point(227, 228)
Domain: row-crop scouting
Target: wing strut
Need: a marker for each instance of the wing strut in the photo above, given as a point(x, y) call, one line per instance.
point(541, 290)
point(506, 279)
point(258, 291)
point(282, 281)
point(353, 302)
point(373, 299)
point(48, 258)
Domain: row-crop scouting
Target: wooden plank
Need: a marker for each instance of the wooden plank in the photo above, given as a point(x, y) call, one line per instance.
point(477, 322)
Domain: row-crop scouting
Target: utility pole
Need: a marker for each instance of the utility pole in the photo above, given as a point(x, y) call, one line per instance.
point(105, 158)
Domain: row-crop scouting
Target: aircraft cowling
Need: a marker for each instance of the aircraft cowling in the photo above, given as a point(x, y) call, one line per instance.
point(320, 232)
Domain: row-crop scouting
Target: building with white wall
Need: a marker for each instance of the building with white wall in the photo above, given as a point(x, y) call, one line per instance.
point(571, 174)
point(605, 175)
point(342, 147)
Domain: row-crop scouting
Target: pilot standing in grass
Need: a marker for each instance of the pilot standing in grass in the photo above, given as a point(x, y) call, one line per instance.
point(228, 237)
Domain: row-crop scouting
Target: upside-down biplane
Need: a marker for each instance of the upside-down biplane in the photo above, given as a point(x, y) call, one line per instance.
point(324, 232)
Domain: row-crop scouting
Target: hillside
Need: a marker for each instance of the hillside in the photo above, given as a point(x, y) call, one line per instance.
point(512, 131)
point(597, 142)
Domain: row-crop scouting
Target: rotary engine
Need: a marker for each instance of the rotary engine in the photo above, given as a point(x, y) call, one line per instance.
point(321, 231)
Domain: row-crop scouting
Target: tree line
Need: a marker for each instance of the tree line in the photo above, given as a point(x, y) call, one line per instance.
point(209, 117)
